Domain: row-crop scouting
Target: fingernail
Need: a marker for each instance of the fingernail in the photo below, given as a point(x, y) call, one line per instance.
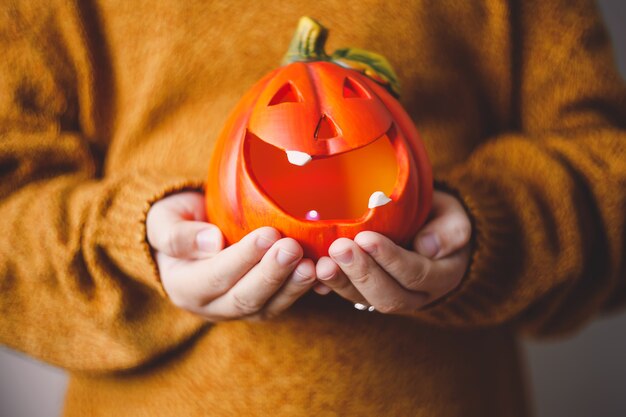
point(284, 257)
point(263, 242)
point(208, 240)
point(326, 278)
point(300, 277)
point(428, 245)
point(344, 257)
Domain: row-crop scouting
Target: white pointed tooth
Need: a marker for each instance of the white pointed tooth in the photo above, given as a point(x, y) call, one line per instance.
point(298, 158)
point(377, 199)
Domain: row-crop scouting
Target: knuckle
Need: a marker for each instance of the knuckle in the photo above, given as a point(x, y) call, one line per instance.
point(362, 276)
point(243, 306)
point(272, 279)
point(419, 276)
point(218, 283)
point(392, 263)
point(271, 276)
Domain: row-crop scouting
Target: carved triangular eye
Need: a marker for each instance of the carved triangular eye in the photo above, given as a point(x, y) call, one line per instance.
point(352, 89)
point(325, 129)
point(286, 94)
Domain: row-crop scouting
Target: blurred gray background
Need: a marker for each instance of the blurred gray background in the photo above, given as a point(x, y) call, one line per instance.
point(583, 376)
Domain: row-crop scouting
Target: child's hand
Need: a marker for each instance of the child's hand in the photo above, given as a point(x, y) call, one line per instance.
point(255, 278)
point(372, 270)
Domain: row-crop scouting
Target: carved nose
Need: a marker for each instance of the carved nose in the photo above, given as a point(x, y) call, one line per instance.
point(326, 129)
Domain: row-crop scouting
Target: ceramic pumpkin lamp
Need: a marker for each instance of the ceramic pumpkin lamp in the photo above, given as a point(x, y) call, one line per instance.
point(320, 149)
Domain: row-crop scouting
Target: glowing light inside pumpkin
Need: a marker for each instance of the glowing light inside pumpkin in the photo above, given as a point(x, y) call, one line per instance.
point(312, 215)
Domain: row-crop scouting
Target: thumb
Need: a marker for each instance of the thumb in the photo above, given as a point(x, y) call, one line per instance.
point(189, 240)
point(448, 230)
point(170, 230)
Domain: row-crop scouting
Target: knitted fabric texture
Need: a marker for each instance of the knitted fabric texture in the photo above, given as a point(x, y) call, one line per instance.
point(106, 107)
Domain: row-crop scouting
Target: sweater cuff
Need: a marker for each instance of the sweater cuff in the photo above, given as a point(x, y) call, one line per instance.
point(123, 230)
point(495, 255)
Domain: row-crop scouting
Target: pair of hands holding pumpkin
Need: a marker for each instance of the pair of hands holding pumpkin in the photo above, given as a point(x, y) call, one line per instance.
point(263, 274)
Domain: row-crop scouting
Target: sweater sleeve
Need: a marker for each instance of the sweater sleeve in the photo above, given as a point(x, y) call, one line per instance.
point(548, 198)
point(78, 285)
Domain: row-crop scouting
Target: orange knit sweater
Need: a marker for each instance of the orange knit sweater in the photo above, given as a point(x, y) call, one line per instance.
point(105, 107)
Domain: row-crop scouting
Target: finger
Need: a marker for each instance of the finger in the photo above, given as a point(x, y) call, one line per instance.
point(174, 208)
point(298, 283)
point(378, 288)
point(191, 205)
point(333, 277)
point(201, 281)
point(322, 289)
point(177, 227)
point(411, 270)
point(448, 273)
point(251, 293)
point(187, 205)
point(189, 240)
point(449, 230)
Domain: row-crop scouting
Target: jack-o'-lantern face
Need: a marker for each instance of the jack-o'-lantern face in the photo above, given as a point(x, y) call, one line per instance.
point(319, 151)
point(335, 152)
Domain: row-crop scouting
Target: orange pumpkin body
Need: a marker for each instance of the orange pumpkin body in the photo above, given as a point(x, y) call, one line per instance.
point(355, 138)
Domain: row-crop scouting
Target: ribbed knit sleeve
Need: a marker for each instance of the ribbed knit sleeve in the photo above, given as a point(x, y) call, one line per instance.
point(78, 285)
point(548, 199)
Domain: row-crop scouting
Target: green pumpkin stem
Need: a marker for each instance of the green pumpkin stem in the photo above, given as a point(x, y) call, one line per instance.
point(307, 43)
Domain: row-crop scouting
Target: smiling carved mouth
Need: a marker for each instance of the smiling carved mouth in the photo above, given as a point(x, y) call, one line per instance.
point(338, 187)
